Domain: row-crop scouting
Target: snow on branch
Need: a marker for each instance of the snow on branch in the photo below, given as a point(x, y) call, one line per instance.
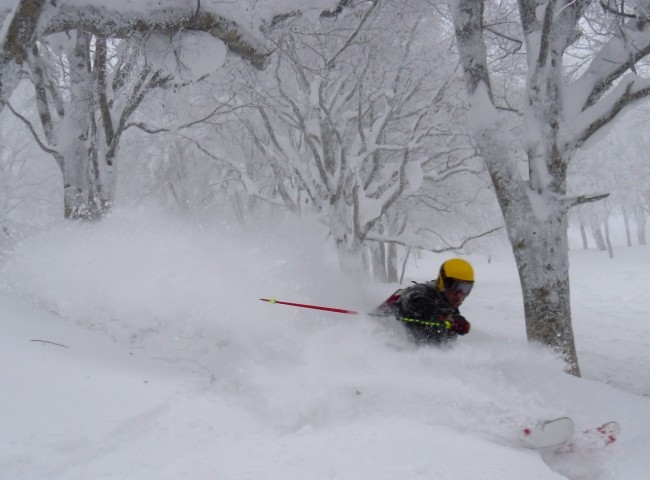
point(102, 22)
point(615, 58)
point(630, 90)
point(19, 35)
point(620, 11)
point(571, 202)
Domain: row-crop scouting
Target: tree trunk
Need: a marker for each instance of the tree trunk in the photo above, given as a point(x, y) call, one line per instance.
point(378, 254)
point(641, 225)
point(583, 234)
point(538, 238)
point(597, 233)
point(391, 263)
point(599, 238)
point(88, 190)
point(351, 257)
point(18, 38)
point(542, 258)
point(351, 254)
point(608, 241)
point(626, 220)
point(541, 249)
point(404, 263)
point(87, 179)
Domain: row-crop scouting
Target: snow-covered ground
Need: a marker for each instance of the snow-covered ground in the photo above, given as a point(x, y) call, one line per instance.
point(137, 348)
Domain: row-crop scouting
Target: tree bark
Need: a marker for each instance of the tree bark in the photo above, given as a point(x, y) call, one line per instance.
point(539, 239)
point(84, 175)
point(543, 264)
point(19, 38)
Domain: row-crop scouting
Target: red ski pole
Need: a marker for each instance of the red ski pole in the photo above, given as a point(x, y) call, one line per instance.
point(315, 307)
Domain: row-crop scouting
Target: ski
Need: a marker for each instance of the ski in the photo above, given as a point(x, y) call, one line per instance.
point(559, 436)
point(592, 438)
point(549, 433)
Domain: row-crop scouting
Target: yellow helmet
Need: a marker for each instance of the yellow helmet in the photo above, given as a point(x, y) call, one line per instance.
point(454, 269)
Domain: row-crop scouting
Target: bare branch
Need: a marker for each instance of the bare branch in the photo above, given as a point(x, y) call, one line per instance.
point(29, 125)
point(507, 37)
point(582, 199)
point(356, 32)
point(49, 343)
point(607, 7)
point(416, 241)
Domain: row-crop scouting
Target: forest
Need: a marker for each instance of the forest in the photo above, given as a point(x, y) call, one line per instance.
point(398, 126)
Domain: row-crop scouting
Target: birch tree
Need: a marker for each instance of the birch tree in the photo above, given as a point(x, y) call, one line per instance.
point(564, 106)
point(95, 117)
point(86, 89)
point(31, 20)
point(20, 33)
point(238, 24)
point(84, 92)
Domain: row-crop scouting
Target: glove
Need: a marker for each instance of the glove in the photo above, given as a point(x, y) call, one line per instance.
point(457, 323)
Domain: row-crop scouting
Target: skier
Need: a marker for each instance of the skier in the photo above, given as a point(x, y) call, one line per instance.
point(429, 310)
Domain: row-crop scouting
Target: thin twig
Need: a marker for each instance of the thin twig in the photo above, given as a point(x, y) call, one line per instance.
point(51, 343)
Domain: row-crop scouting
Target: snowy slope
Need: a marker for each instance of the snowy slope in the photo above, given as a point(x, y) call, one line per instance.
point(137, 348)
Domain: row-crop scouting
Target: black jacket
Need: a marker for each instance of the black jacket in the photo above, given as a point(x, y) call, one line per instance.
point(426, 314)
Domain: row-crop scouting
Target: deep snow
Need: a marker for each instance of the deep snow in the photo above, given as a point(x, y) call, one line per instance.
point(137, 348)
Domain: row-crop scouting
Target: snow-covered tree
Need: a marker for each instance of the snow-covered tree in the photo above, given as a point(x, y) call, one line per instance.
point(27, 190)
point(20, 25)
point(86, 89)
point(566, 103)
point(183, 162)
point(354, 117)
point(26, 21)
point(177, 30)
point(627, 184)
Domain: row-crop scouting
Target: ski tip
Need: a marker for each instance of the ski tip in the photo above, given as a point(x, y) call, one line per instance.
point(270, 300)
point(609, 432)
point(548, 433)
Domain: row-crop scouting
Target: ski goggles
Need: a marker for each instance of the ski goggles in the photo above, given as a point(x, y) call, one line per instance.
point(461, 286)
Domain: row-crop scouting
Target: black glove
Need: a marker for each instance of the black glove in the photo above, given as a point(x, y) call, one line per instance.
point(457, 323)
